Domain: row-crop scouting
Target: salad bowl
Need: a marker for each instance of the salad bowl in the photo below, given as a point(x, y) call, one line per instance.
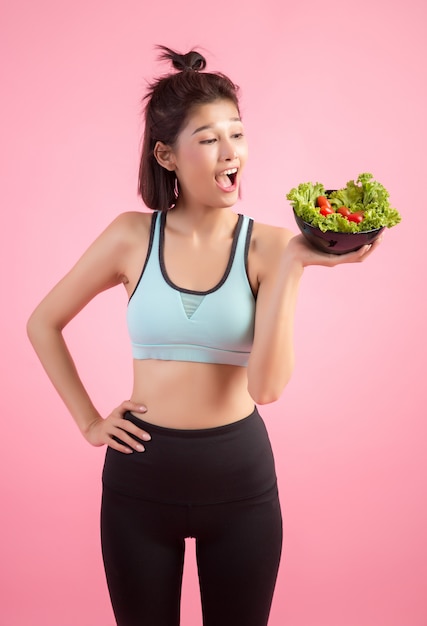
point(336, 242)
point(338, 221)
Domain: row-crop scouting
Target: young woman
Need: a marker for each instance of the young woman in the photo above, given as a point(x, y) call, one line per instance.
point(211, 308)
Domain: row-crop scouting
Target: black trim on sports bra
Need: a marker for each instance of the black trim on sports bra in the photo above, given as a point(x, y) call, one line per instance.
point(227, 269)
point(150, 246)
point(247, 244)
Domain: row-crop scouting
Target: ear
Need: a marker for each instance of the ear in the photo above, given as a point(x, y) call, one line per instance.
point(164, 156)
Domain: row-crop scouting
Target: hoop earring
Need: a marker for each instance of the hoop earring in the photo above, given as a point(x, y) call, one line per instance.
point(176, 188)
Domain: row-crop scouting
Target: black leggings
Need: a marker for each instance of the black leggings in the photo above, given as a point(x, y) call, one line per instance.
point(217, 485)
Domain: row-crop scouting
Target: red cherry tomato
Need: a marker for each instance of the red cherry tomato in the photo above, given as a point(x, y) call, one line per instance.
point(326, 210)
point(344, 211)
point(323, 201)
point(356, 217)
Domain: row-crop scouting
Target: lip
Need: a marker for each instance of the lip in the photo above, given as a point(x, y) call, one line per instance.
point(234, 186)
point(233, 169)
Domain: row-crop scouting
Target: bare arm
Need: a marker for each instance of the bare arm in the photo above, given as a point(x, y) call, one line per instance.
point(282, 259)
point(102, 266)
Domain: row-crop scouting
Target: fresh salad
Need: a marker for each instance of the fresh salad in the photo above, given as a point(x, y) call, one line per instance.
point(360, 206)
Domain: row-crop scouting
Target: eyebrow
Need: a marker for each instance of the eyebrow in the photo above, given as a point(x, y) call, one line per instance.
point(209, 126)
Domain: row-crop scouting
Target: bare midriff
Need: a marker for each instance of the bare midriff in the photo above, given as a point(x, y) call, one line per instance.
point(187, 395)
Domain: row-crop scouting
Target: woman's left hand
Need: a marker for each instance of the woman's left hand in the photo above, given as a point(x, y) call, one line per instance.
point(300, 250)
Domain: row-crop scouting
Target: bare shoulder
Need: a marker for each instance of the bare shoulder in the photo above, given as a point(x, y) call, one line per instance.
point(269, 241)
point(266, 249)
point(130, 227)
point(130, 239)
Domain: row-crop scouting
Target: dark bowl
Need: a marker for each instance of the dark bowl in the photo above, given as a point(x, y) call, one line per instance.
point(336, 243)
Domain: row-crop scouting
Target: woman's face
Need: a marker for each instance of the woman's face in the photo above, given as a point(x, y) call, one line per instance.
point(209, 156)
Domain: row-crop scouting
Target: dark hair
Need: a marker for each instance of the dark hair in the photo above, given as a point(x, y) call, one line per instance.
point(170, 100)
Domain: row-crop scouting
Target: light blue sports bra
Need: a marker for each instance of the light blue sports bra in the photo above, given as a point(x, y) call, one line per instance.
point(172, 323)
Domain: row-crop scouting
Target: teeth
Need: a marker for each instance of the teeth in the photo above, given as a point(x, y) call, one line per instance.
point(228, 172)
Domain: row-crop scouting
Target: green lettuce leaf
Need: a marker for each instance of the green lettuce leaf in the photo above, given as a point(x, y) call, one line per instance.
point(364, 194)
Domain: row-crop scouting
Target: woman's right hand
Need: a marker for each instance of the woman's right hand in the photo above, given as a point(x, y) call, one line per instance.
point(102, 431)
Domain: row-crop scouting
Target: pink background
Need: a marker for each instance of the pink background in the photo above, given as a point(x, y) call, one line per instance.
point(329, 89)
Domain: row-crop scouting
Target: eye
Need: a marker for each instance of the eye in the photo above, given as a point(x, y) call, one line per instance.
point(237, 135)
point(208, 141)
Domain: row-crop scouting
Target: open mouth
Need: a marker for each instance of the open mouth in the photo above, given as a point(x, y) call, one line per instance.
point(227, 178)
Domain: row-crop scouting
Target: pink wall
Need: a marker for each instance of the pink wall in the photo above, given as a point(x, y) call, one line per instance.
point(329, 89)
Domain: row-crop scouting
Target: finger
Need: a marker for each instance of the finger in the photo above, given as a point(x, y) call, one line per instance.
point(362, 253)
point(128, 405)
point(365, 251)
point(357, 256)
point(369, 248)
point(124, 442)
point(115, 443)
point(377, 242)
point(129, 427)
point(126, 425)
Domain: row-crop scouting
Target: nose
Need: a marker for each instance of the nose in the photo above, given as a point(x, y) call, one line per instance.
point(228, 152)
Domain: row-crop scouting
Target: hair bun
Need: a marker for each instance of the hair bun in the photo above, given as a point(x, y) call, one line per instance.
point(193, 60)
